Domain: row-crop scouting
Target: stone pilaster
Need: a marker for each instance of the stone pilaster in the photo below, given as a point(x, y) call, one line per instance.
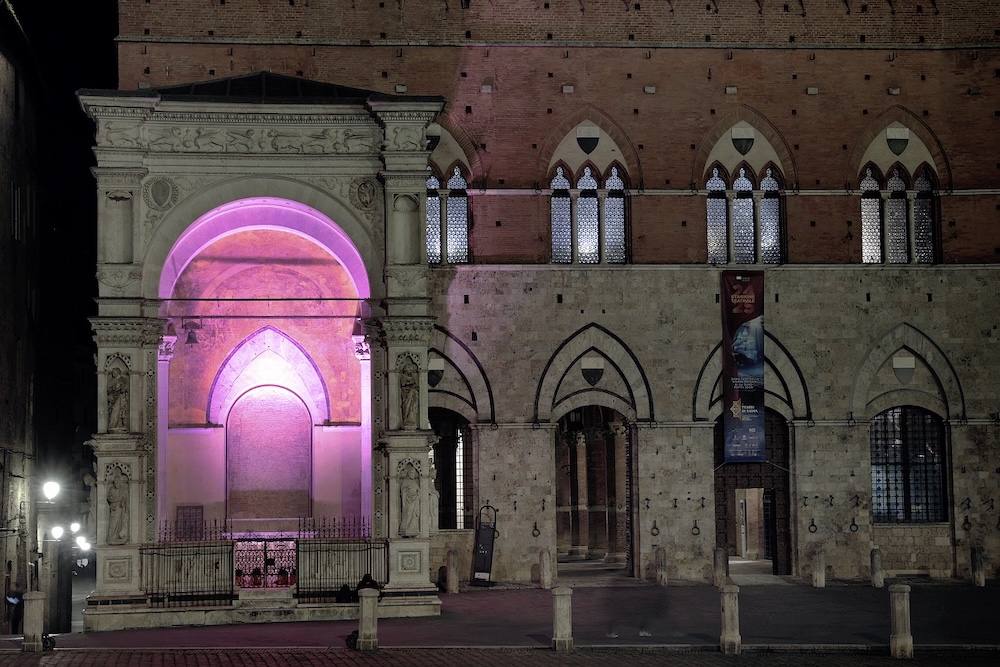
point(128, 355)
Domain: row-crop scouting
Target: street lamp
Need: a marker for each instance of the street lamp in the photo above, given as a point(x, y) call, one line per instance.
point(50, 490)
point(57, 532)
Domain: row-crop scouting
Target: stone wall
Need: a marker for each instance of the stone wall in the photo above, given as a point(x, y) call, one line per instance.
point(828, 327)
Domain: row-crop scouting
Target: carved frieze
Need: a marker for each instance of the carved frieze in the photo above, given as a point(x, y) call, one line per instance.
point(408, 330)
point(272, 137)
point(117, 277)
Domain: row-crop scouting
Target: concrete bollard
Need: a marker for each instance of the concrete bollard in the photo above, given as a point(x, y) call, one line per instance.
point(545, 569)
point(819, 569)
point(878, 572)
point(368, 620)
point(730, 637)
point(978, 567)
point(720, 563)
point(660, 566)
point(562, 619)
point(33, 621)
point(900, 639)
point(451, 572)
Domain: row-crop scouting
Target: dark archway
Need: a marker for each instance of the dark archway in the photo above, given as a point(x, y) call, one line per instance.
point(592, 486)
point(768, 485)
point(454, 464)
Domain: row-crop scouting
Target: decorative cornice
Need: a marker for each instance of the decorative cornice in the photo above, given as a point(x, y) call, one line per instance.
point(127, 332)
point(110, 176)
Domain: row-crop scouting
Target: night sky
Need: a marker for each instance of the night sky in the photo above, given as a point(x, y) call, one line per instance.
point(73, 43)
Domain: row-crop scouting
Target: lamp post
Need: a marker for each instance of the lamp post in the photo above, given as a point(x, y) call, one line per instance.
point(55, 578)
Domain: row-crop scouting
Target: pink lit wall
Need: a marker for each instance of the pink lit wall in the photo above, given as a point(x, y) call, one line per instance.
point(275, 311)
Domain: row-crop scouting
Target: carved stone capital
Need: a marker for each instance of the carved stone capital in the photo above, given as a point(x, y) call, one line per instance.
point(166, 351)
point(408, 280)
point(408, 330)
point(127, 332)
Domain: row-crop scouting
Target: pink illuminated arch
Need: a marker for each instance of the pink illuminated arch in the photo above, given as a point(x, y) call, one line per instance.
point(268, 356)
point(263, 213)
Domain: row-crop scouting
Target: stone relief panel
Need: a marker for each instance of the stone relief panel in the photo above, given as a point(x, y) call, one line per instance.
point(273, 136)
point(118, 570)
point(118, 279)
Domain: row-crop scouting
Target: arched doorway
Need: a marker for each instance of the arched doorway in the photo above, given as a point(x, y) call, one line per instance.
point(752, 504)
point(593, 502)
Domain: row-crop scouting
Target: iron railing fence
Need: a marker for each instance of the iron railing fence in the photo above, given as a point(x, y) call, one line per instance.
point(188, 574)
point(200, 563)
point(327, 565)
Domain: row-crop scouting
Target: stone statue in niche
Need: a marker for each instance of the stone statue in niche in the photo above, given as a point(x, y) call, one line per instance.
point(117, 400)
point(118, 486)
point(409, 497)
point(409, 392)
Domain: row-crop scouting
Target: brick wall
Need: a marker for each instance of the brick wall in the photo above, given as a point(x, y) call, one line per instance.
point(425, 49)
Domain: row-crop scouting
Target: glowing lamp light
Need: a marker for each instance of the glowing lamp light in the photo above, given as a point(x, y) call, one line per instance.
point(50, 490)
point(85, 546)
point(80, 541)
point(57, 532)
point(74, 527)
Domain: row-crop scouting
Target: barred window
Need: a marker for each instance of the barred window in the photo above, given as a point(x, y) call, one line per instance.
point(898, 226)
point(744, 224)
point(447, 220)
point(562, 219)
point(908, 466)
point(589, 226)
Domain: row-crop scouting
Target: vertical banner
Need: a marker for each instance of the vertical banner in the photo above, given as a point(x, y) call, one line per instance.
point(743, 365)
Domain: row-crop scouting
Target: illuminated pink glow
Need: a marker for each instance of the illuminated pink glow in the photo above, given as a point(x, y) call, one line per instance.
point(268, 357)
point(263, 213)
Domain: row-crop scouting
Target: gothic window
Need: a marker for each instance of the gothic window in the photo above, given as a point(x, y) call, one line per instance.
point(589, 225)
point(744, 223)
point(718, 219)
point(562, 219)
point(898, 225)
point(447, 218)
point(924, 218)
point(871, 219)
point(908, 466)
point(433, 215)
point(614, 218)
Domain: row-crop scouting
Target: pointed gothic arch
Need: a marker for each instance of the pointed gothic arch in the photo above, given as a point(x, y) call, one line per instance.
point(785, 390)
point(463, 386)
point(760, 123)
point(911, 121)
point(906, 337)
point(277, 352)
point(629, 154)
point(558, 393)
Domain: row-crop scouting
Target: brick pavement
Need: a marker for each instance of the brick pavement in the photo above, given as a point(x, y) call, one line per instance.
point(633, 657)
